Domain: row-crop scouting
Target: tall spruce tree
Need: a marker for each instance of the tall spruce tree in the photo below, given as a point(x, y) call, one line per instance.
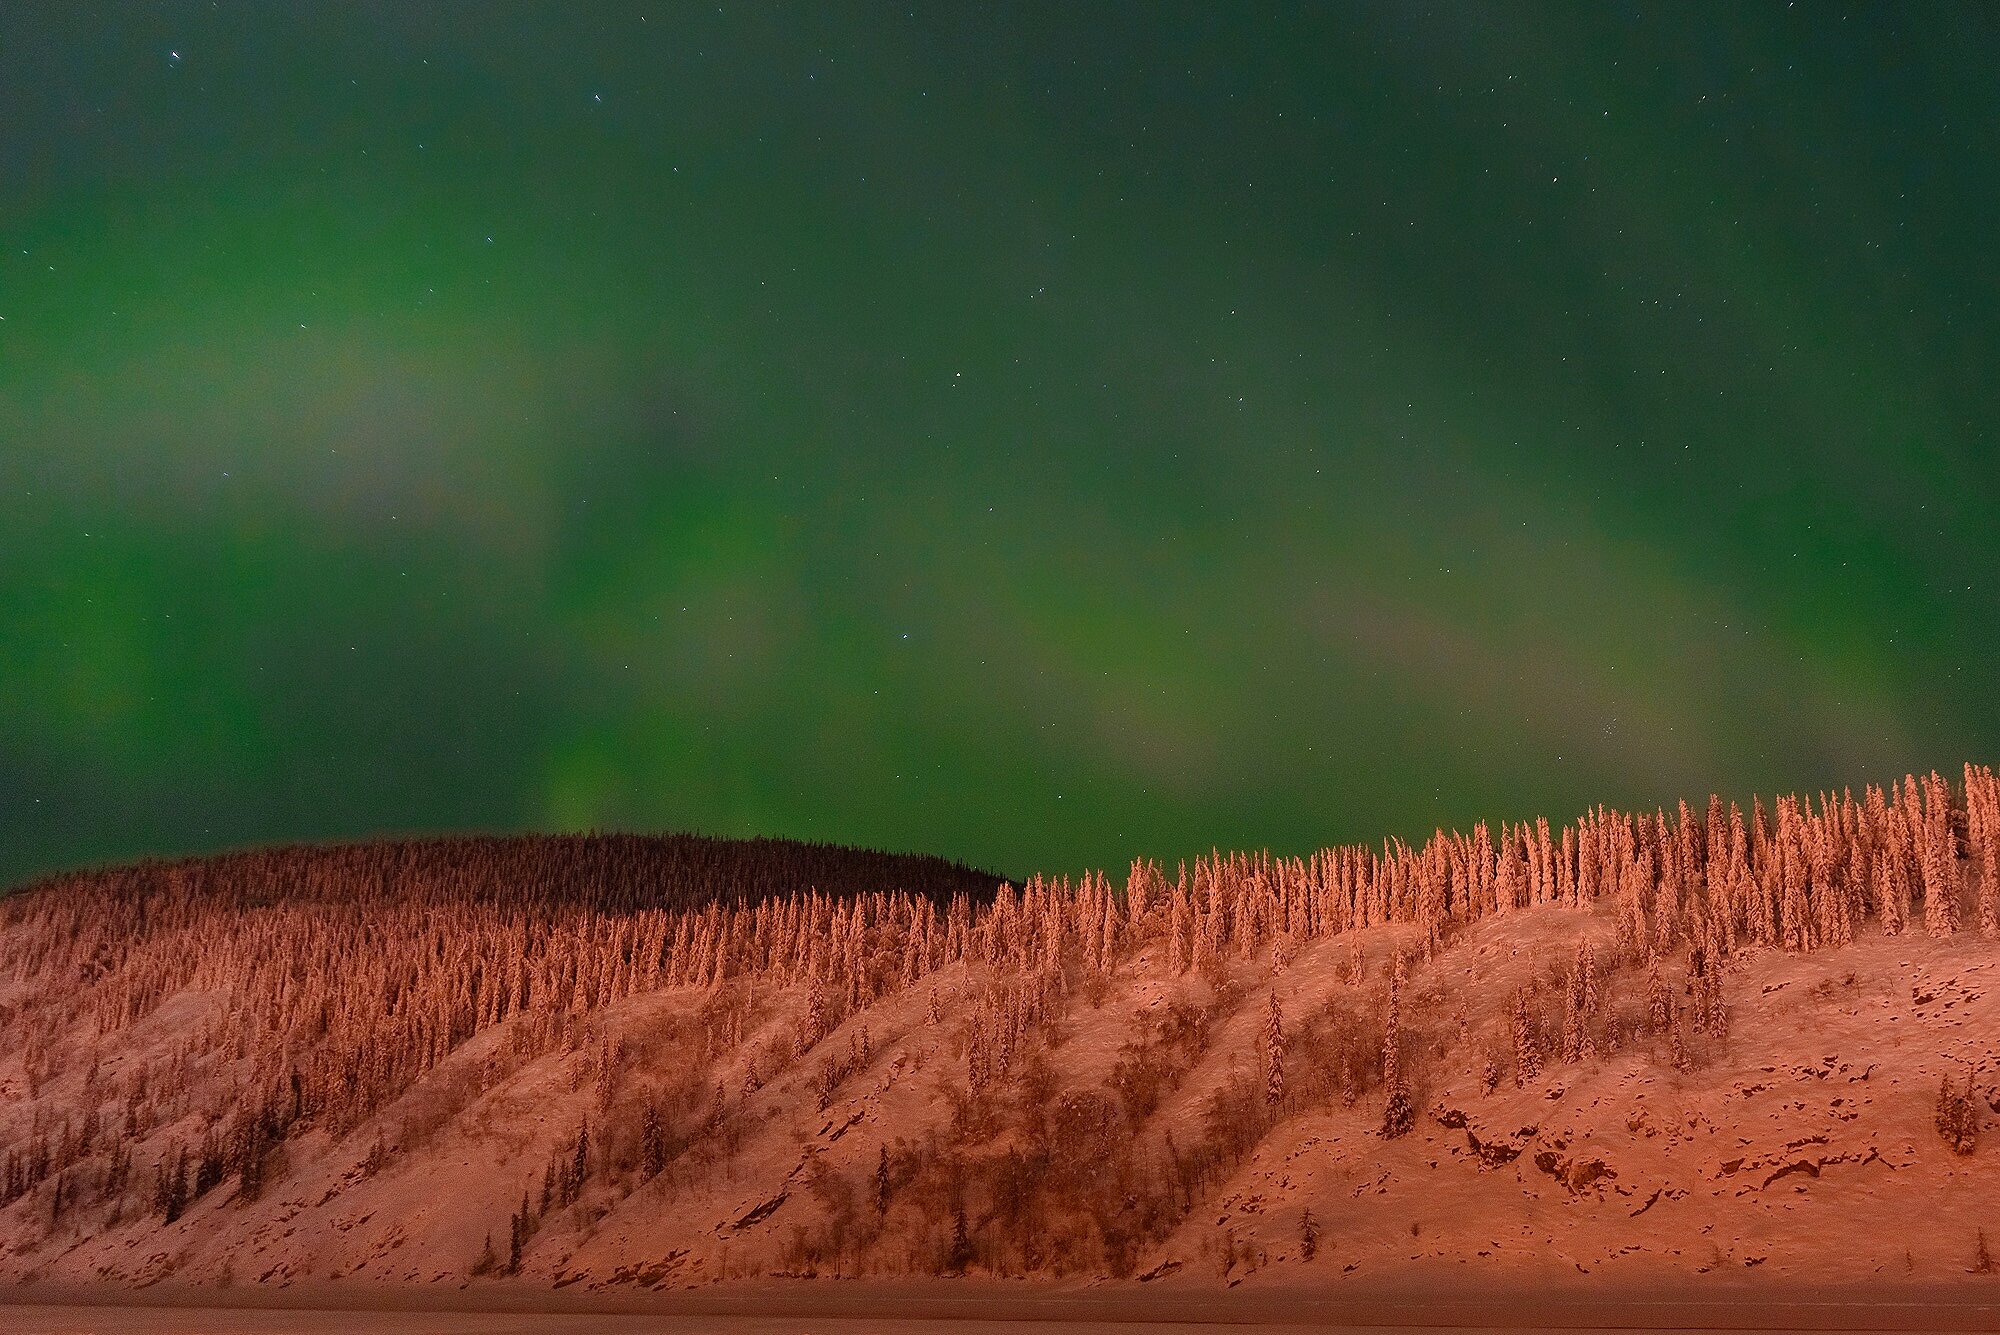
point(1274, 1054)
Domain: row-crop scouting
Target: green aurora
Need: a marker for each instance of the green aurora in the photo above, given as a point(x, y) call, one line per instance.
point(1039, 435)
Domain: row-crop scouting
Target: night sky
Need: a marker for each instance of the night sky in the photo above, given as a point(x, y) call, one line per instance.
point(1036, 435)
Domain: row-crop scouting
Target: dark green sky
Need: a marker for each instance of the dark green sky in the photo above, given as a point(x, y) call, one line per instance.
point(1037, 435)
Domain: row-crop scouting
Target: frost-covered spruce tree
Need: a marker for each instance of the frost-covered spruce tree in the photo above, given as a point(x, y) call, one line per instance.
point(1527, 1057)
point(1398, 1116)
point(1274, 1054)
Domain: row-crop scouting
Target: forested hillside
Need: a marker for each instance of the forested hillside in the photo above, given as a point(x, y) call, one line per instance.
point(614, 1060)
